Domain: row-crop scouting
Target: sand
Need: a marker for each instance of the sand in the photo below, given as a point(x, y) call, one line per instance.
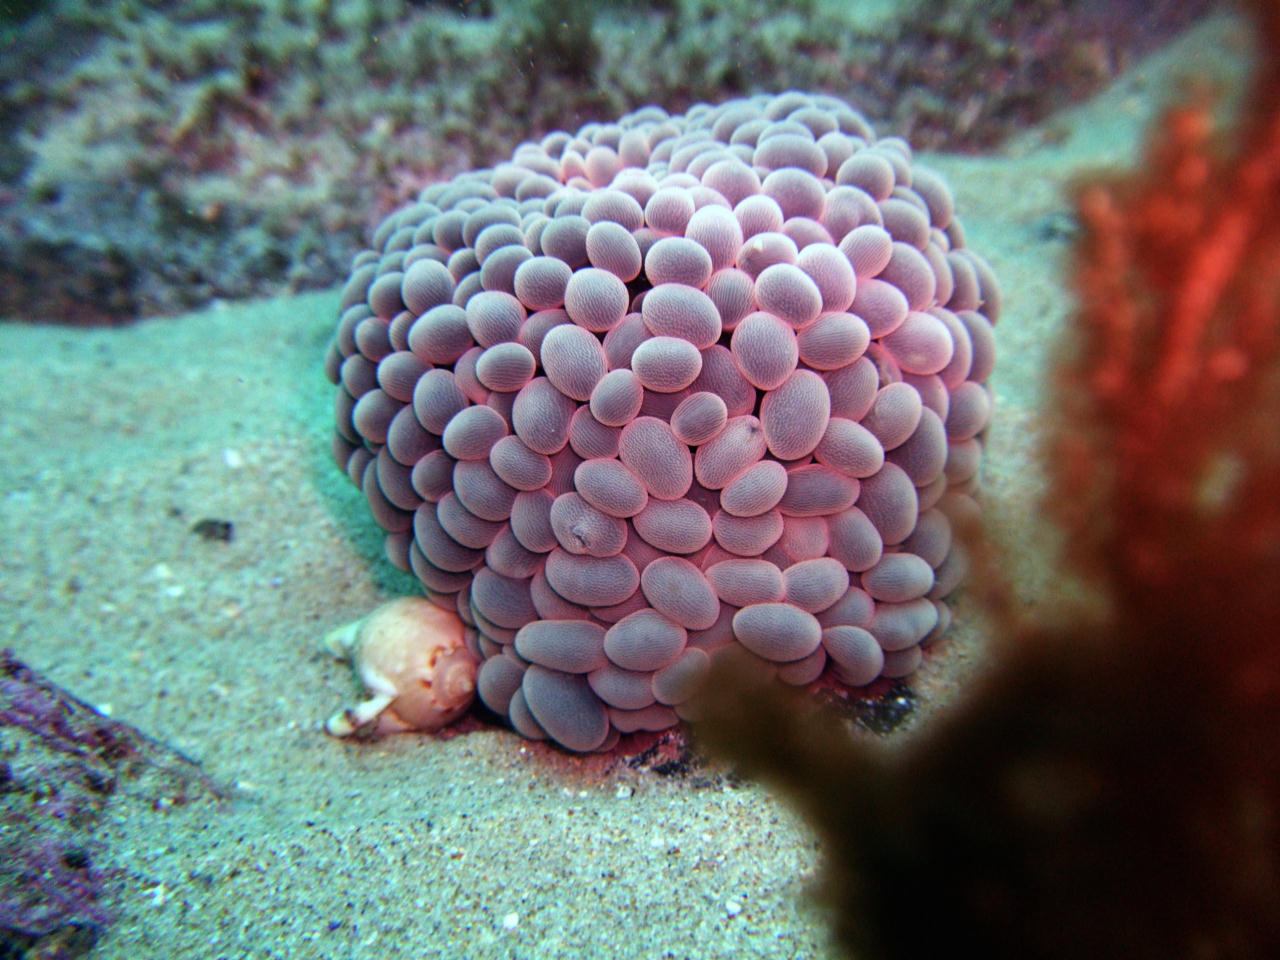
point(479, 845)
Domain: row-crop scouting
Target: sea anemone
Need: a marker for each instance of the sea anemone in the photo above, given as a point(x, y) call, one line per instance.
point(670, 389)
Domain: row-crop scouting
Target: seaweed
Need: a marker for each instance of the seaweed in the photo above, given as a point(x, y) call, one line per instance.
point(1111, 788)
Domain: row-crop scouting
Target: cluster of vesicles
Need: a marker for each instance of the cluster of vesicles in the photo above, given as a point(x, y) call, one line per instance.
point(669, 388)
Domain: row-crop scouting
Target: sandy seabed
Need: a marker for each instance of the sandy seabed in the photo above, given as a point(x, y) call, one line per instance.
point(474, 846)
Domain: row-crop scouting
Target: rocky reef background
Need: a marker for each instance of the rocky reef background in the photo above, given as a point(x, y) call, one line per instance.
point(162, 156)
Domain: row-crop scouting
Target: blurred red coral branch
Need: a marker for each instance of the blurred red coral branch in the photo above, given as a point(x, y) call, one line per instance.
point(1176, 339)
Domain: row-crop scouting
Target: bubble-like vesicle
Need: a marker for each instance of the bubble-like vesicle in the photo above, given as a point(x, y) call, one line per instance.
point(651, 452)
point(678, 260)
point(482, 491)
point(786, 291)
point(571, 646)
point(565, 238)
point(881, 305)
point(969, 411)
point(432, 476)
point(573, 360)
point(869, 171)
point(522, 721)
point(855, 608)
point(384, 295)
point(644, 641)
point(898, 577)
point(850, 448)
point(910, 272)
point(623, 689)
point(931, 539)
point(833, 274)
point(540, 416)
point(905, 221)
point(744, 581)
point(668, 210)
point(718, 232)
point(798, 193)
point(494, 316)
point(595, 299)
point(921, 343)
point(518, 466)
point(777, 631)
point(733, 293)
point(868, 248)
point(653, 718)
point(620, 342)
point(855, 541)
point(407, 440)
point(499, 267)
point(698, 418)
point(373, 414)
point(505, 555)
point(936, 195)
point(853, 389)
point(833, 341)
point(464, 373)
point(610, 487)
point(677, 589)
point(583, 529)
point(666, 364)
point(794, 416)
point(441, 335)
point(733, 180)
point(673, 526)
point(746, 536)
point(894, 414)
point(924, 454)
point(385, 513)
point(765, 247)
point(462, 525)
point(612, 205)
point(897, 626)
point(395, 483)
point(888, 499)
point(531, 520)
point(497, 680)
point(426, 284)
point(674, 310)
point(855, 650)
point(472, 432)
point(536, 326)
point(816, 584)
point(564, 706)
point(503, 600)
point(611, 246)
point(765, 349)
point(816, 490)
point(436, 400)
point(738, 445)
point(438, 546)
point(505, 367)
point(540, 282)
point(679, 680)
point(790, 150)
point(722, 376)
point(616, 399)
point(756, 490)
point(591, 581)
